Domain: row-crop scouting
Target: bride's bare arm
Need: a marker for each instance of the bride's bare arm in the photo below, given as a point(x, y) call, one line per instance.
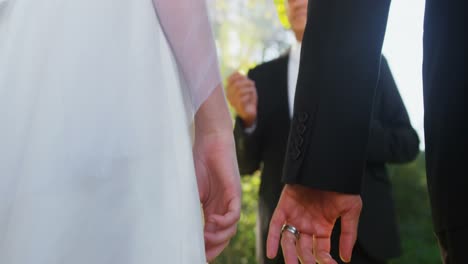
point(188, 31)
point(213, 116)
point(217, 172)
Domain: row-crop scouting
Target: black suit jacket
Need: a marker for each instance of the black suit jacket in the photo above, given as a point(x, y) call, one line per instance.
point(445, 81)
point(338, 74)
point(337, 81)
point(392, 139)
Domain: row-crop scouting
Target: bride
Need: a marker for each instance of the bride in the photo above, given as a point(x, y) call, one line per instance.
point(113, 129)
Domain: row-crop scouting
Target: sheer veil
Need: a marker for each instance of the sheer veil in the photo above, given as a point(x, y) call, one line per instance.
point(188, 31)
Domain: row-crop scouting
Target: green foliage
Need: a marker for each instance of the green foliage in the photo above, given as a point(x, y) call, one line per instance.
point(412, 205)
point(419, 244)
point(281, 7)
point(248, 32)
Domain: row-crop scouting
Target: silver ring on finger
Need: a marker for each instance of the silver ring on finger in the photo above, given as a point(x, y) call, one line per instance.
point(291, 229)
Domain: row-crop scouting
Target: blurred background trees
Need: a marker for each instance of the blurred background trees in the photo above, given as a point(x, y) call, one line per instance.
point(249, 32)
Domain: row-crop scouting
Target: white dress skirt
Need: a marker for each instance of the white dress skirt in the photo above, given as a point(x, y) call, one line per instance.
point(96, 161)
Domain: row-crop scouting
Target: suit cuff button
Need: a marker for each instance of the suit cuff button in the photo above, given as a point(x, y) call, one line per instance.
point(295, 153)
point(303, 117)
point(299, 141)
point(301, 128)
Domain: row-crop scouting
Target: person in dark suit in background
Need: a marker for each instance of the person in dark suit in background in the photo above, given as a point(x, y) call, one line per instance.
point(264, 103)
point(340, 62)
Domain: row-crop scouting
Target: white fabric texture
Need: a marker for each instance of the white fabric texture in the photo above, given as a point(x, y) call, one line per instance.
point(96, 161)
point(2, 3)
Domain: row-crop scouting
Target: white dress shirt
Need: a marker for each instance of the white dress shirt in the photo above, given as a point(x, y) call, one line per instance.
point(293, 72)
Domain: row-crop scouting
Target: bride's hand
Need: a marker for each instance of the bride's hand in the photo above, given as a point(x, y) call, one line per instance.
point(217, 173)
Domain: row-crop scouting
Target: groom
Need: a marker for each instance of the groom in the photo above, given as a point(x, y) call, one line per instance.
point(337, 80)
point(263, 101)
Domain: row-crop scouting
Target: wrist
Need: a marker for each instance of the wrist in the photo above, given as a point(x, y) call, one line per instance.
point(213, 116)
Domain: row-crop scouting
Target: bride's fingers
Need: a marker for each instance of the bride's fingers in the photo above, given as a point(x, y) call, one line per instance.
point(230, 218)
point(220, 236)
point(213, 251)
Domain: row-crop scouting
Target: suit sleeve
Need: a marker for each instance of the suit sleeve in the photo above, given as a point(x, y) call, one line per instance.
point(248, 145)
point(392, 138)
point(338, 76)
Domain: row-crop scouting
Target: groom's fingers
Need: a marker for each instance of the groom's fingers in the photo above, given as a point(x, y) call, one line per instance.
point(349, 226)
point(274, 232)
point(304, 249)
point(288, 244)
point(325, 258)
point(322, 247)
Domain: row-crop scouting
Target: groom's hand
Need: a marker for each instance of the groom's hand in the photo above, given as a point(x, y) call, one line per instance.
point(313, 213)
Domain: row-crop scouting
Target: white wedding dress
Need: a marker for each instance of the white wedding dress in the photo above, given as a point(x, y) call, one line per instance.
point(96, 103)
